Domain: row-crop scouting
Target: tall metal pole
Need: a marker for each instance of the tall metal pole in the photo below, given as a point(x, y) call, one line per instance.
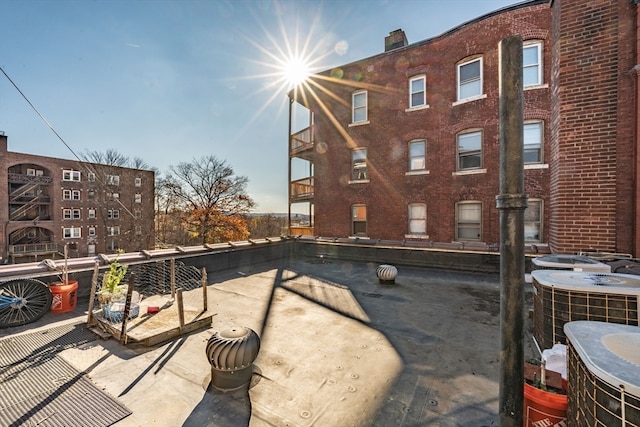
point(289, 164)
point(512, 202)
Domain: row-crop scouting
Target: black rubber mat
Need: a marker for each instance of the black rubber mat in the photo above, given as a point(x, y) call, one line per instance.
point(39, 388)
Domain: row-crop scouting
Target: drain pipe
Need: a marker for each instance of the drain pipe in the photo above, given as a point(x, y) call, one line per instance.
point(511, 202)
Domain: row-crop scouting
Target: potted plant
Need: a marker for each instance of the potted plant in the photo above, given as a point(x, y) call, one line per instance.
point(64, 292)
point(113, 293)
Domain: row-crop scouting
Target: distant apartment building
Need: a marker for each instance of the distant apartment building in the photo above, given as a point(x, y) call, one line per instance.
point(51, 203)
point(404, 145)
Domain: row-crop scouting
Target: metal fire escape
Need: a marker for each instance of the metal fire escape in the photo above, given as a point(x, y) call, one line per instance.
point(301, 190)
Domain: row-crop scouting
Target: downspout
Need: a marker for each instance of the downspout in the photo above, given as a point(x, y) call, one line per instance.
point(636, 74)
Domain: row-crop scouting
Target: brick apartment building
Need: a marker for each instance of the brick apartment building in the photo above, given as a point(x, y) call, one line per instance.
point(91, 208)
point(404, 145)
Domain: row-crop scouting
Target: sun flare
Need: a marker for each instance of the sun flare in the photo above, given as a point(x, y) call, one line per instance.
point(295, 71)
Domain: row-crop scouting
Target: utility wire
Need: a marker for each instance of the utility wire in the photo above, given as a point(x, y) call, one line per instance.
point(60, 138)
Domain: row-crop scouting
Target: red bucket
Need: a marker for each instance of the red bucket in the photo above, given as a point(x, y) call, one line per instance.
point(543, 407)
point(65, 296)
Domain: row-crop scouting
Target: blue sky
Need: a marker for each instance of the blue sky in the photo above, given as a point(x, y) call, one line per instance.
point(173, 80)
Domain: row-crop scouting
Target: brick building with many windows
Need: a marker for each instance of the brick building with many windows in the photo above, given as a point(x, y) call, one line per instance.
point(91, 208)
point(404, 145)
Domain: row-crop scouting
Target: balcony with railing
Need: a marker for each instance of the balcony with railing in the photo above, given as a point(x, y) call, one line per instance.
point(302, 143)
point(302, 189)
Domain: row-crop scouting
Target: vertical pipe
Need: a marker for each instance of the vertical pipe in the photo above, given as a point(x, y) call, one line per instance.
point(180, 310)
point(94, 286)
point(289, 165)
point(204, 290)
point(511, 202)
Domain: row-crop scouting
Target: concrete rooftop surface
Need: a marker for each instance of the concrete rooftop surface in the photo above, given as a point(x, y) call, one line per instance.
point(337, 349)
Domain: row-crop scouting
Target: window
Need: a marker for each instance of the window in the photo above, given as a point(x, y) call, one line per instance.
point(71, 213)
point(70, 194)
point(115, 196)
point(359, 105)
point(470, 150)
point(532, 64)
point(70, 175)
point(113, 180)
point(532, 137)
point(359, 164)
point(138, 230)
point(417, 159)
point(31, 172)
point(72, 233)
point(113, 246)
point(470, 79)
point(359, 220)
point(91, 213)
point(92, 231)
point(113, 214)
point(417, 218)
point(138, 198)
point(137, 213)
point(138, 182)
point(417, 92)
point(533, 221)
point(91, 194)
point(113, 231)
point(468, 220)
point(91, 177)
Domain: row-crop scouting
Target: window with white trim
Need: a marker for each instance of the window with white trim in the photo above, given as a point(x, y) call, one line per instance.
point(468, 221)
point(532, 64)
point(113, 246)
point(359, 107)
point(359, 164)
point(138, 230)
point(91, 213)
point(92, 231)
point(532, 139)
point(418, 219)
point(137, 213)
point(113, 214)
point(71, 213)
point(70, 175)
point(70, 194)
point(72, 233)
point(138, 182)
point(115, 196)
point(469, 78)
point(113, 179)
point(31, 172)
point(91, 177)
point(417, 155)
point(91, 194)
point(469, 148)
point(533, 221)
point(417, 92)
point(113, 231)
point(137, 198)
point(359, 220)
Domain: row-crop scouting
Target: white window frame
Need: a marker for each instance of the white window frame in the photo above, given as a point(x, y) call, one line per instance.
point(113, 230)
point(417, 224)
point(359, 167)
point(91, 231)
point(70, 175)
point(138, 182)
point(91, 213)
point(359, 216)
point(535, 66)
point(113, 214)
point(113, 179)
point(533, 141)
point(71, 233)
point(464, 153)
point(71, 214)
point(91, 176)
point(466, 223)
point(357, 108)
point(467, 83)
point(91, 194)
point(420, 98)
point(138, 230)
point(137, 213)
point(68, 194)
point(417, 162)
point(137, 198)
point(533, 220)
point(75, 194)
point(31, 172)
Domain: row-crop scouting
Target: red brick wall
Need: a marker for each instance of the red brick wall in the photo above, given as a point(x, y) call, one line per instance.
point(593, 115)
point(390, 129)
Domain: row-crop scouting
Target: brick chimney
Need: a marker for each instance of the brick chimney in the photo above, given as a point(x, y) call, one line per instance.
point(394, 40)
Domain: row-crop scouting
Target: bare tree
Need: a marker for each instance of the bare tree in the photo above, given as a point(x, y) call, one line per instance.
point(213, 197)
point(110, 157)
